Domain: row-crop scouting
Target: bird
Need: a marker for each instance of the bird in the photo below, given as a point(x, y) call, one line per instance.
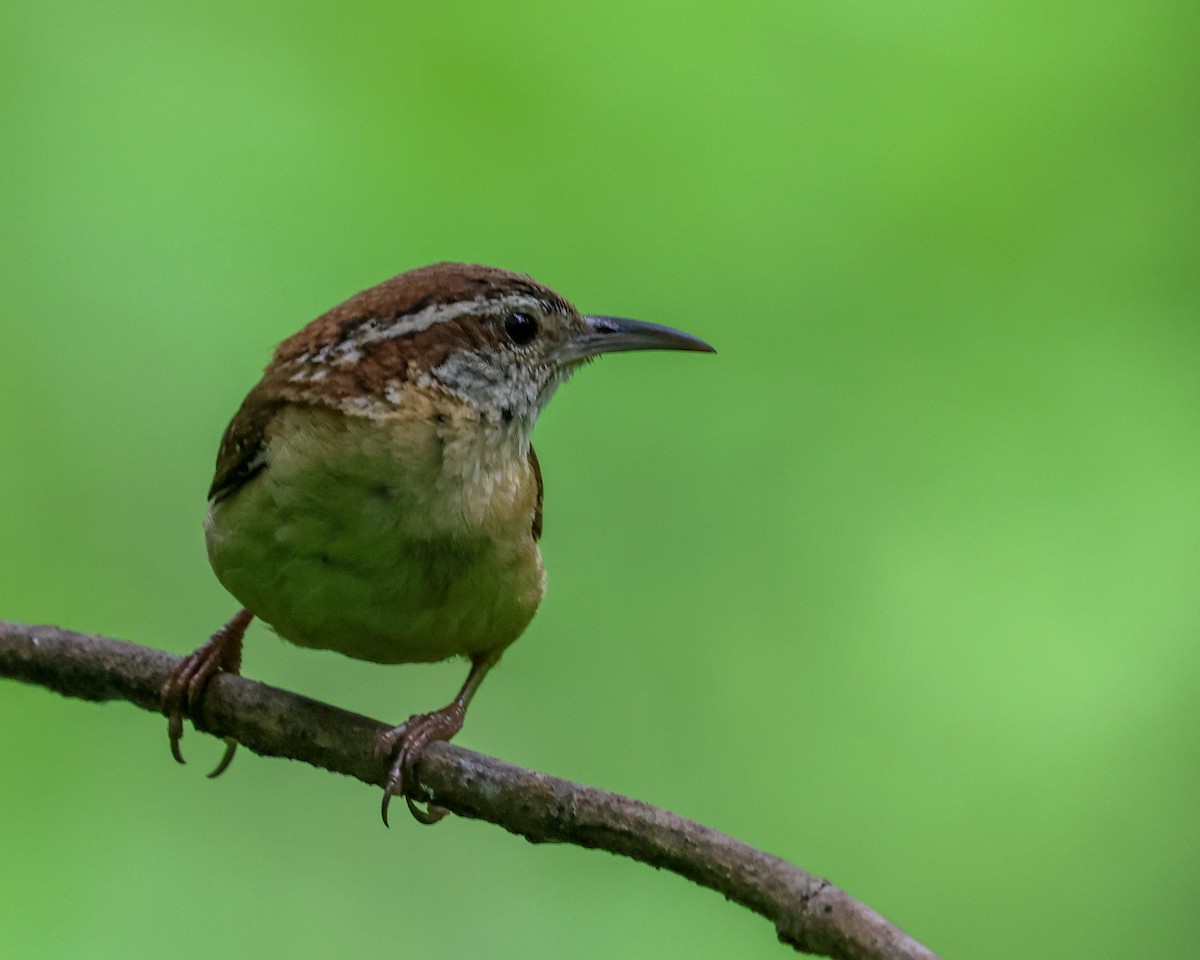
point(377, 492)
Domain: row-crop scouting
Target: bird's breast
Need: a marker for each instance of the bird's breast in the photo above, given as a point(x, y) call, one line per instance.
point(394, 540)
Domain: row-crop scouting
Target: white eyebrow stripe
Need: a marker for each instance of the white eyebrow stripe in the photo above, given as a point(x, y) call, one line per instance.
point(373, 331)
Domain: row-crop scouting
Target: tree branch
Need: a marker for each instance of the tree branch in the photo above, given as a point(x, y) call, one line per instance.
point(808, 912)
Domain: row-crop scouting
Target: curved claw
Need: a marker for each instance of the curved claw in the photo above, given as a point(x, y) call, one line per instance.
point(231, 746)
point(175, 734)
point(429, 816)
point(177, 700)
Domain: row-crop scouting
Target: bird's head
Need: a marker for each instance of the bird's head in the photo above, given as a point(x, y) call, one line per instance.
point(494, 340)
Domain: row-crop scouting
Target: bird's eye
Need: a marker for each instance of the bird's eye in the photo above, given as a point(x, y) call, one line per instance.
point(521, 328)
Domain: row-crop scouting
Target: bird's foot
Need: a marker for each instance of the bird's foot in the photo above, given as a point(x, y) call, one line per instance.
point(405, 744)
point(185, 686)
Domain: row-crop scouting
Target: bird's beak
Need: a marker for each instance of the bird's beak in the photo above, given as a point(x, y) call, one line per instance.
point(616, 335)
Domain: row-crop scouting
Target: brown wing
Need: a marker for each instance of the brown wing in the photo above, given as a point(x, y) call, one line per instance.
point(537, 510)
point(242, 455)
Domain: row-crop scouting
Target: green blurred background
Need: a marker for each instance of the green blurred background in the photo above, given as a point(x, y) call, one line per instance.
point(901, 586)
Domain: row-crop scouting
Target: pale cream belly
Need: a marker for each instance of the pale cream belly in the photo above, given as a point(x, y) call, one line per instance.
point(330, 559)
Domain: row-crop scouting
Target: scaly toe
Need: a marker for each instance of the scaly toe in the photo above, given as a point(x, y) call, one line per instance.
point(387, 742)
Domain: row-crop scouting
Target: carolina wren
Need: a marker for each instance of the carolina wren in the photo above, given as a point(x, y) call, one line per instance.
point(377, 493)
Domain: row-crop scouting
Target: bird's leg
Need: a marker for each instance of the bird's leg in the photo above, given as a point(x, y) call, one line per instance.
point(407, 742)
point(184, 687)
